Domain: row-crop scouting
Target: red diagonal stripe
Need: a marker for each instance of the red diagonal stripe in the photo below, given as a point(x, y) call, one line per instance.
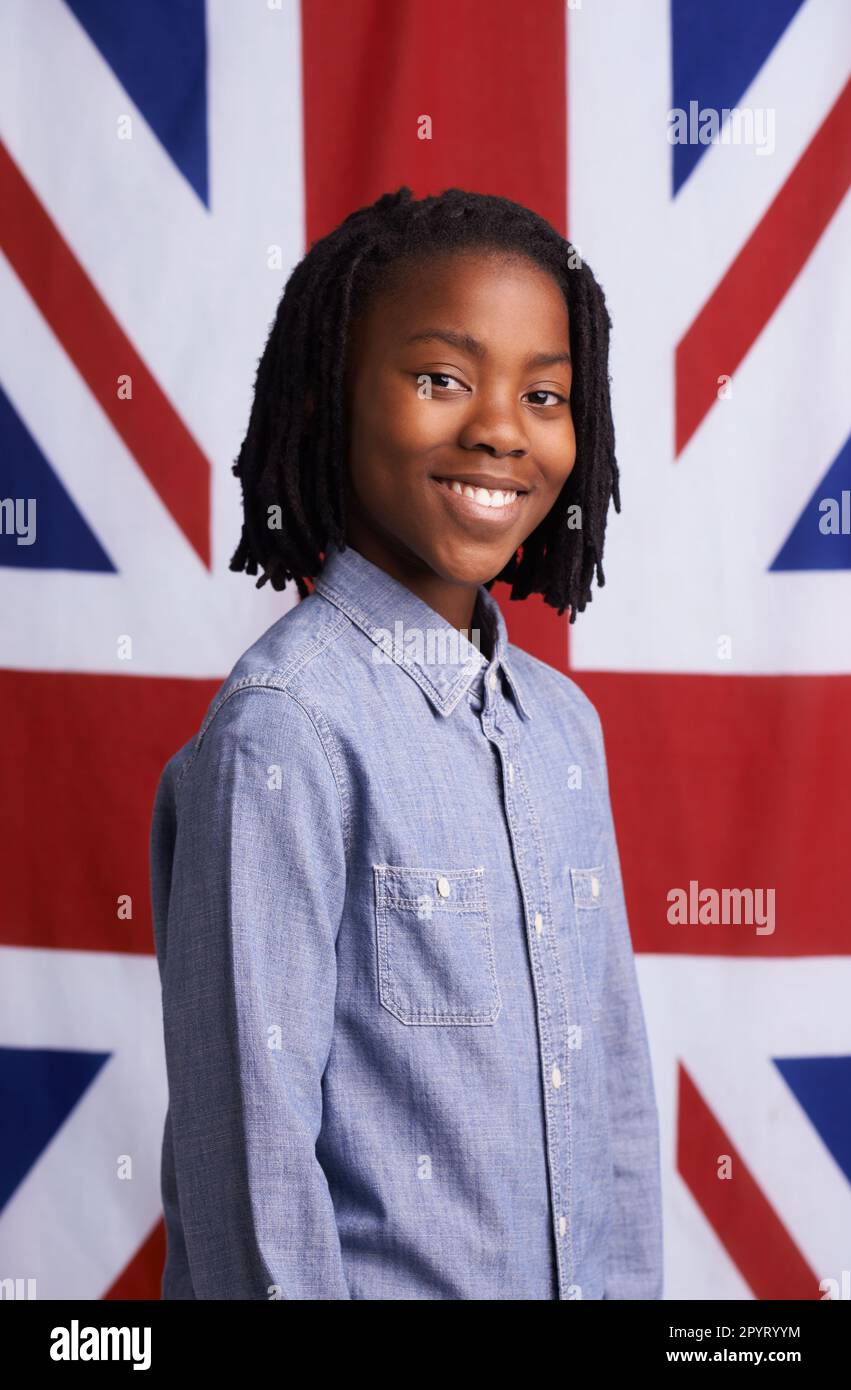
point(738, 1211)
point(142, 1277)
point(741, 305)
point(150, 426)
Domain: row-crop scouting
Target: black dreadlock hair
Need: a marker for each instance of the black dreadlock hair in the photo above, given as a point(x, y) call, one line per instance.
point(294, 454)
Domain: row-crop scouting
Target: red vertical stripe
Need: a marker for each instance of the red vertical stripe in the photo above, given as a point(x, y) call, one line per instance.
point(492, 80)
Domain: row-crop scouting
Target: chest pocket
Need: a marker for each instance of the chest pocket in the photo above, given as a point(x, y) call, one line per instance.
point(435, 945)
point(589, 896)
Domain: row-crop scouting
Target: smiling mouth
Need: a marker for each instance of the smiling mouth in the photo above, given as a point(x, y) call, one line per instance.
point(483, 499)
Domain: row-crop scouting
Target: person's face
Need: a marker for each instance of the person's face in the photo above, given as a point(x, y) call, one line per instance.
point(462, 373)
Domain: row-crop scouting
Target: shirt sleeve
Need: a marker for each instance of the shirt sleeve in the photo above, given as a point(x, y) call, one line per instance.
point(248, 885)
point(634, 1256)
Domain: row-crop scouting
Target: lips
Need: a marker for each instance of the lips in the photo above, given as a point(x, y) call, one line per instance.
point(490, 504)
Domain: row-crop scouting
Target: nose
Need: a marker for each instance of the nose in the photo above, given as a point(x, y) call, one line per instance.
point(495, 426)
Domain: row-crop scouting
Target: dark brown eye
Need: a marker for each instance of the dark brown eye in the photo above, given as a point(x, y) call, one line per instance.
point(444, 376)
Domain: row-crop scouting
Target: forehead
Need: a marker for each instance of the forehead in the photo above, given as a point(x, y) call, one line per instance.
point(486, 292)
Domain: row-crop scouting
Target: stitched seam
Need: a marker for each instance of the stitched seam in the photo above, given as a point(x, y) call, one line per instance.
point(276, 678)
point(386, 986)
point(309, 713)
point(564, 1205)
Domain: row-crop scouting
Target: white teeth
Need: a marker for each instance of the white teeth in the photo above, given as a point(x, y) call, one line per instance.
point(486, 497)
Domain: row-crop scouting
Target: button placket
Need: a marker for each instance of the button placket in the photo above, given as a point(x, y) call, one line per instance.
point(549, 996)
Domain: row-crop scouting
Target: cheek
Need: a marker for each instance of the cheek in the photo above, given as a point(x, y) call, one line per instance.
point(392, 420)
point(417, 421)
point(563, 446)
point(557, 464)
point(556, 454)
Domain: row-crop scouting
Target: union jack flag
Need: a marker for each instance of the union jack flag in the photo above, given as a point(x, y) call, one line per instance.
point(163, 167)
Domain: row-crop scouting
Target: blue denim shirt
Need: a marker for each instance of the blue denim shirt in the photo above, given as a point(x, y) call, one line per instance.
point(405, 1046)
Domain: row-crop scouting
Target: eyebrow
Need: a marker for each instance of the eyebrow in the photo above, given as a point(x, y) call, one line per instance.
point(467, 343)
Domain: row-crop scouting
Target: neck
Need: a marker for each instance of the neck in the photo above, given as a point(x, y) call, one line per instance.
point(455, 603)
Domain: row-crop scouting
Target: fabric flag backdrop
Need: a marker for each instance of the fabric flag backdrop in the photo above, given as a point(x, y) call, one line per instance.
point(163, 167)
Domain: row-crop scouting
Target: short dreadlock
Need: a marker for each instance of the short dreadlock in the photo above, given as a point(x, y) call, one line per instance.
point(294, 457)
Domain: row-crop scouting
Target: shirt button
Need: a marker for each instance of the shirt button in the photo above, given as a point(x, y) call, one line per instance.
point(556, 1077)
point(595, 886)
point(492, 680)
point(539, 923)
point(443, 887)
point(511, 772)
point(562, 1225)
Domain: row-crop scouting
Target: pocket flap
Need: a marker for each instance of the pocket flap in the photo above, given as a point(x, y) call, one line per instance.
point(430, 890)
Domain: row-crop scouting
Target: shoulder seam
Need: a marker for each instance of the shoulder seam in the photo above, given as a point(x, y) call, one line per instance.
point(280, 679)
point(320, 727)
point(276, 677)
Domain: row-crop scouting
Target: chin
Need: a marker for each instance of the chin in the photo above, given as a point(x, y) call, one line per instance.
point(478, 565)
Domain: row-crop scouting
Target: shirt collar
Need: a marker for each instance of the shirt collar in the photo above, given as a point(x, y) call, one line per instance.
point(444, 664)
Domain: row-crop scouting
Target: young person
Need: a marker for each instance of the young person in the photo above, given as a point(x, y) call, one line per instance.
point(405, 1045)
